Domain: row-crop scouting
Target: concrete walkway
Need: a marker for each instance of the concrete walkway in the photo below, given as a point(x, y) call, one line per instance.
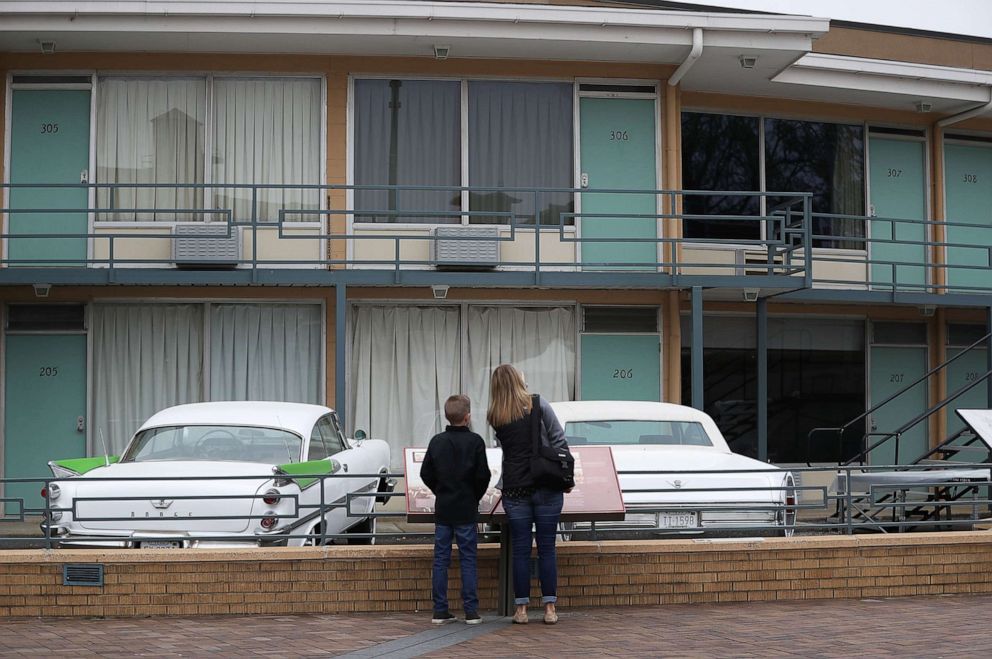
point(905, 627)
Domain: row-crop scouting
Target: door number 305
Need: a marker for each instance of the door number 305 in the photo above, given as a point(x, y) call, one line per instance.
point(48, 371)
point(623, 373)
point(49, 128)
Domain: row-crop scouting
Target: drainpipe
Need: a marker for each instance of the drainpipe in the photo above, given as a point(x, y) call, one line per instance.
point(961, 116)
point(697, 50)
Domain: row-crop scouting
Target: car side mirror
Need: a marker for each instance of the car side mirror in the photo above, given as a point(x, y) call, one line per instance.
point(360, 435)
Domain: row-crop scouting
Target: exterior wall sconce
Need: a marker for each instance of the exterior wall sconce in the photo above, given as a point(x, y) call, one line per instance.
point(47, 47)
point(440, 291)
point(41, 290)
point(748, 61)
point(441, 52)
point(751, 294)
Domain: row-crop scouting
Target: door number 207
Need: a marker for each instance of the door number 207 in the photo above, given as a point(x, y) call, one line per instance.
point(48, 371)
point(623, 373)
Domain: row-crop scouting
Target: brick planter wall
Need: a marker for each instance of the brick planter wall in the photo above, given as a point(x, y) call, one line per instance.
point(397, 578)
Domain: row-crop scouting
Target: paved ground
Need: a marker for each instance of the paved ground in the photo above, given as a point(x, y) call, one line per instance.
point(906, 627)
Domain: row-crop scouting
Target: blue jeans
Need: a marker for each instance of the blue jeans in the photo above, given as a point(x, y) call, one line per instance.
point(542, 510)
point(467, 538)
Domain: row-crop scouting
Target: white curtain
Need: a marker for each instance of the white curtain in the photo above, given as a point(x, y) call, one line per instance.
point(267, 131)
point(145, 358)
point(266, 352)
point(540, 342)
point(404, 363)
point(150, 131)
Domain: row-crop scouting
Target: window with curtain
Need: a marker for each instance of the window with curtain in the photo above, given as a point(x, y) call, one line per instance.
point(407, 360)
point(520, 136)
point(267, 131)
point(827, 160)
point(721, 152)
point(407, 133)
point(266, 352)
point(146, 357)
point(150, 131)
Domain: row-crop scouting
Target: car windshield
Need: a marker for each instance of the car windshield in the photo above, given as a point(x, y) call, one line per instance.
point(623, 432)
point(208, 442)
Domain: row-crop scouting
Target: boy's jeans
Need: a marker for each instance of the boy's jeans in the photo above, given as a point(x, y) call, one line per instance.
point(467, 538)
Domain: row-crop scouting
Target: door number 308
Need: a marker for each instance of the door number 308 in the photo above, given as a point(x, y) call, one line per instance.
point(623, 373)
point(48, 371)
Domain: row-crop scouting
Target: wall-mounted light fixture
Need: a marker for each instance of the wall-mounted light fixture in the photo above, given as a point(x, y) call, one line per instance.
point(441, 52)
point(47, 47)
point(923, 106)
point(42, 290)
point(440, 291)
point(928, 310)
point(748, 61)
point(751, 294)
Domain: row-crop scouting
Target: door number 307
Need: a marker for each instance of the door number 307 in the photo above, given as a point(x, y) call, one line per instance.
point(623, 373)
point(48, 371)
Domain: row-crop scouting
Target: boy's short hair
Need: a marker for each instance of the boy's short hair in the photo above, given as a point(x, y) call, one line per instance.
point(456, 408)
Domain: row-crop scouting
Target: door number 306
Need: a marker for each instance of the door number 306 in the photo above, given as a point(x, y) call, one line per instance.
point(623, 373)
point(618, 136)
point(48, 371)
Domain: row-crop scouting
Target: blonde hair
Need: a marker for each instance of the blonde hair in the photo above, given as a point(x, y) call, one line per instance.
point(508, 396)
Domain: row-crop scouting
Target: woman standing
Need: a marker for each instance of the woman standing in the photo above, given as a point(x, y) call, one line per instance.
point(525, 503)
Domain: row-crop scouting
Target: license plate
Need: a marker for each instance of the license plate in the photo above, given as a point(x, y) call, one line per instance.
point(687, 520)
point(161, 544)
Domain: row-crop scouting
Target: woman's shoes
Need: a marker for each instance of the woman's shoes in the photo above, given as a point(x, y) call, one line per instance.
point(520, 617)
point(550, 617)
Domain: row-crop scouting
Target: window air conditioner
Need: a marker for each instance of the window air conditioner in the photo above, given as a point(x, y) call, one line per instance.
point(193, 248)
point(452, 247)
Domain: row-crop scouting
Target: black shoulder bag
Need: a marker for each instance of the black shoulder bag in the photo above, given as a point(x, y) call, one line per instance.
point(550, 467)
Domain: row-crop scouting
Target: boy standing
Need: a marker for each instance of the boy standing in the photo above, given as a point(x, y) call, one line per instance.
point(456, 471)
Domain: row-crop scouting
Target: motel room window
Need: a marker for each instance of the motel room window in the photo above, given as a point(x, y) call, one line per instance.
point(264, 131)
point(410, 133)
point(721, 152)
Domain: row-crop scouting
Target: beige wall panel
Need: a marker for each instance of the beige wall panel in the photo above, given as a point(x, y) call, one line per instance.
point(384, 249)
point(293, 246)
point(909, 48)
point(142, 246)
point(703, 261)
point(553, 249)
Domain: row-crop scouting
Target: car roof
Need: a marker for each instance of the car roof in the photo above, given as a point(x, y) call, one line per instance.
point(295, 417)
point(634, 410)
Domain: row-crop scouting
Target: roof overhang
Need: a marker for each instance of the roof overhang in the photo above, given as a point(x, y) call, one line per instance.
point(402, 28)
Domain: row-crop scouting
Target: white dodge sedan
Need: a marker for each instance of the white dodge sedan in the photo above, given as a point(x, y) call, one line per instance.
point(668, 443)
point(222, 474)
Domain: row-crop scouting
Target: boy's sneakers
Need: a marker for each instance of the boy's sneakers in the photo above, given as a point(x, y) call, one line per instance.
point(472, 618)
point(442, 617)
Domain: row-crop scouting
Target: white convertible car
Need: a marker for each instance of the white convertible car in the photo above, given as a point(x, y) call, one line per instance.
point(665, 439)
point(223, 474)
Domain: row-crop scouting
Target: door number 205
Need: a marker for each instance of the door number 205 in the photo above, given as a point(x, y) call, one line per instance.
point(48, 371)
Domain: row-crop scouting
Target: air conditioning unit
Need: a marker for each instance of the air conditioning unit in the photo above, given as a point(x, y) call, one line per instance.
point(193, 246)
point(758, 262)
point(454, 247)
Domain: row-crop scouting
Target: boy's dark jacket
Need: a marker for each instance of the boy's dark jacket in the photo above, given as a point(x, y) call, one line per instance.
point(456, 470)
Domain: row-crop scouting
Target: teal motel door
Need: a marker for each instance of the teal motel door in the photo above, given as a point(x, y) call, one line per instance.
point(44, 410)
point(896, 362)
point(618, 152)
point(620, 367)
point(49, 143)
point(968, 199)
point(898, 179)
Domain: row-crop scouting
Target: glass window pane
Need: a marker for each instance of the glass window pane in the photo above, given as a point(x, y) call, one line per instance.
point(317, 450)
point(619, 432)
point(267, 132)
point(150, 131)
point(720, 152)
point(332, 436)
point(408, 133)
point(620, 319)
point(520, 136)
point(827, 160)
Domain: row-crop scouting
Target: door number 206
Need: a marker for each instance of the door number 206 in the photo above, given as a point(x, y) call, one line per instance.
point(623, 373)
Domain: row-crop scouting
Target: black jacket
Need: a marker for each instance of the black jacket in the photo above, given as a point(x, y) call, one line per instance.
point(456, 470)
point(518, 447)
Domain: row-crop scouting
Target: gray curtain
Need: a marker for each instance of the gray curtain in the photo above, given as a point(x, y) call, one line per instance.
point(520, 135)
point(408, 132)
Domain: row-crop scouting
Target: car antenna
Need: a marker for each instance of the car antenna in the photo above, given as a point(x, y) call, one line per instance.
point(106, 453)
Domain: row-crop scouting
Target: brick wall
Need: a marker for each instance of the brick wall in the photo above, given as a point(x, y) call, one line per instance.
point(397, 578)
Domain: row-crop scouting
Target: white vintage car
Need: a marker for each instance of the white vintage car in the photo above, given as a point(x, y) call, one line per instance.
point(664, 439)
point(223, 474)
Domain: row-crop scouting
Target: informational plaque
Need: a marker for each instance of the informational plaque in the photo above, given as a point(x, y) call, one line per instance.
point(980, 421)
point(595, 497)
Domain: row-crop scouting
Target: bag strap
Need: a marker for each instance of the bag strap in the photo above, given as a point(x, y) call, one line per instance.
point(535, 424)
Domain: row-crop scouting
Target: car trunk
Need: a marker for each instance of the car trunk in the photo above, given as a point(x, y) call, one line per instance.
point(178, 506)
point(665, 485)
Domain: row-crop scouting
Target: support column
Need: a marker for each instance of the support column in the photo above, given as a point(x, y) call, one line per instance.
point(340, 311)
point(697, 347)
point(762, 395)
point(988, 353)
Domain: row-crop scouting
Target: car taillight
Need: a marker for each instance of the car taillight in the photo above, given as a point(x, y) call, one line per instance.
point(268, 521)
point(271, 497)
point(52, 492)
point(790, 500)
